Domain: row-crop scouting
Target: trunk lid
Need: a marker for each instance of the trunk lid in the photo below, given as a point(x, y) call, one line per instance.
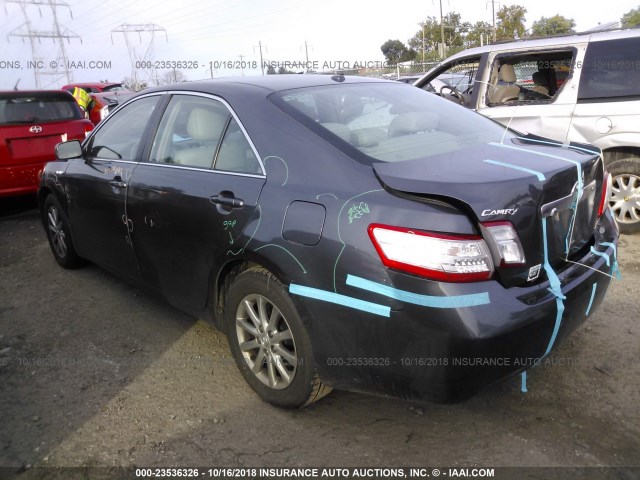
point(526, 181)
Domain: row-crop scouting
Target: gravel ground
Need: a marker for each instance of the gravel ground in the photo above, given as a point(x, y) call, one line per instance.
point(94, 372)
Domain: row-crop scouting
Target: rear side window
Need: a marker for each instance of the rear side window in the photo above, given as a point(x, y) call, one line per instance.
point(611, 69)
point(37, 109)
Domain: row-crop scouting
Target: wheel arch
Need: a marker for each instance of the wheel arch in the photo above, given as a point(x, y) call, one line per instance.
point(222, 276)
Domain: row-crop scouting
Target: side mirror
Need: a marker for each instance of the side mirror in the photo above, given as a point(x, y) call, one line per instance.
point(68, 150)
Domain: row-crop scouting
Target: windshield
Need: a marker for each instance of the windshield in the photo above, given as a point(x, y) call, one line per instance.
point(388, 122)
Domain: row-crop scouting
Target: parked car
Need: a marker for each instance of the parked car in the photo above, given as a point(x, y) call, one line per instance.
point(577, 88)
point(105, 97)
point(343, 232)
point(31, 125)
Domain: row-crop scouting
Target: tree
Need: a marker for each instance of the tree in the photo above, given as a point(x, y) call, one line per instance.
point(428, 37)
point(511, 22)
point(475, 32)
point(556, 25)
point(271, 70)
point(455, 32)
point(172, 76)
point(631, 18)
point(395, 51)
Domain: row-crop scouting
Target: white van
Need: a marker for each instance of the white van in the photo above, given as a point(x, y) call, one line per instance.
point(578, 88)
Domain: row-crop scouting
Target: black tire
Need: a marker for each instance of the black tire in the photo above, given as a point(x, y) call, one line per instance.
point(57, 227)
point(276, 344)
point(625, 174)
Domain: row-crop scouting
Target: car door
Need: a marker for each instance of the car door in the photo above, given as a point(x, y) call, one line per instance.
point(97, 187)
point(190, 202)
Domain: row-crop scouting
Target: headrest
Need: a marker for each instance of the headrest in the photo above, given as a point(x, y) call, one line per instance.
point(539, 78)
point(507, 73)
point(205, 125)
point(413, 122)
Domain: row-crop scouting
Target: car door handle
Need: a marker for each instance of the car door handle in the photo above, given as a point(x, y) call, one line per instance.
point(118, 183)
point(227, 201)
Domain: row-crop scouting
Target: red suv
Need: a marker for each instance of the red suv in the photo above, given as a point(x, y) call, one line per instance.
point(32, 123)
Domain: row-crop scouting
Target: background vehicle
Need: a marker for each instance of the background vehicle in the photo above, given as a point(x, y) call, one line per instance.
point(105, 98)
point(31, 125)
point(578, 88)
point(341, 230)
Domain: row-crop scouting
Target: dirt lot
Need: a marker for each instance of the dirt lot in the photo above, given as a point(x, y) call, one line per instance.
point(94, 372)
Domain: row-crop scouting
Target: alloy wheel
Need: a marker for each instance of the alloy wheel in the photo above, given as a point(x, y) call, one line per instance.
point(266, 341)
point(56, 231)
point(625, 199)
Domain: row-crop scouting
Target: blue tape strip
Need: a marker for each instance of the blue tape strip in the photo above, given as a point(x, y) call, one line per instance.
point(601, 254)
point(562, 145)
point(516, 167)
point(523, 386)
point(615, 270)
point(593, 295)
point(580, 186)
point(556, 328)
point(340, 300)
point(554, 287)
point(455, 301)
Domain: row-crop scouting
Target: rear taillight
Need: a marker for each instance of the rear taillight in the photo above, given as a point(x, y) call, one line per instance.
point(448, 258)
point(505, 242)
point(88, 127)
point(607, 188)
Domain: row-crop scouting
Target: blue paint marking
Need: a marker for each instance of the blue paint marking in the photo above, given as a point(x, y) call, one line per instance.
point(539, 175)
point(523, 387)
point(338, 299)
point(601, 254)
point(455, 301)
point(593, 295)
point(554, 287)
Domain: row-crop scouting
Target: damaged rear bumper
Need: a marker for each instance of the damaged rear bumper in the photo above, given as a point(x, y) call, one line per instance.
point(475, 335)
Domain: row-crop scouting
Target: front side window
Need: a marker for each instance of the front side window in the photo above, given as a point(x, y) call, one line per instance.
point(611, 69)
point(387, 122)
point(528, 78)
point(121, 134)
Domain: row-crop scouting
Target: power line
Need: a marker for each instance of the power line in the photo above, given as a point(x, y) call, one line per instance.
point(57, 33)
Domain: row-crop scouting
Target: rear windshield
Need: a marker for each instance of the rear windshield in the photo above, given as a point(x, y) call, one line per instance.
point(388, 122)
point(611, 69)
point(37, 109)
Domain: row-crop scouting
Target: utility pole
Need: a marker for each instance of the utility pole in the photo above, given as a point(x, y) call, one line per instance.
point(260, 46)
point(60, 66)
point(442, 30)
point(493, 16)
point(144, 62)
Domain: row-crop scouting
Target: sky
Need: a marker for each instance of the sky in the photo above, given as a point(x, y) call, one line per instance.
point(226, 35)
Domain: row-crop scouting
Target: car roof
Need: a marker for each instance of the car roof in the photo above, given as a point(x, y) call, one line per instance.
point(92, 84)
point(559, 40)
point(35, 93)
point(272, 83)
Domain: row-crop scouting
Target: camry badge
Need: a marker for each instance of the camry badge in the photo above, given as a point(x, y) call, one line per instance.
point(35, 129)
